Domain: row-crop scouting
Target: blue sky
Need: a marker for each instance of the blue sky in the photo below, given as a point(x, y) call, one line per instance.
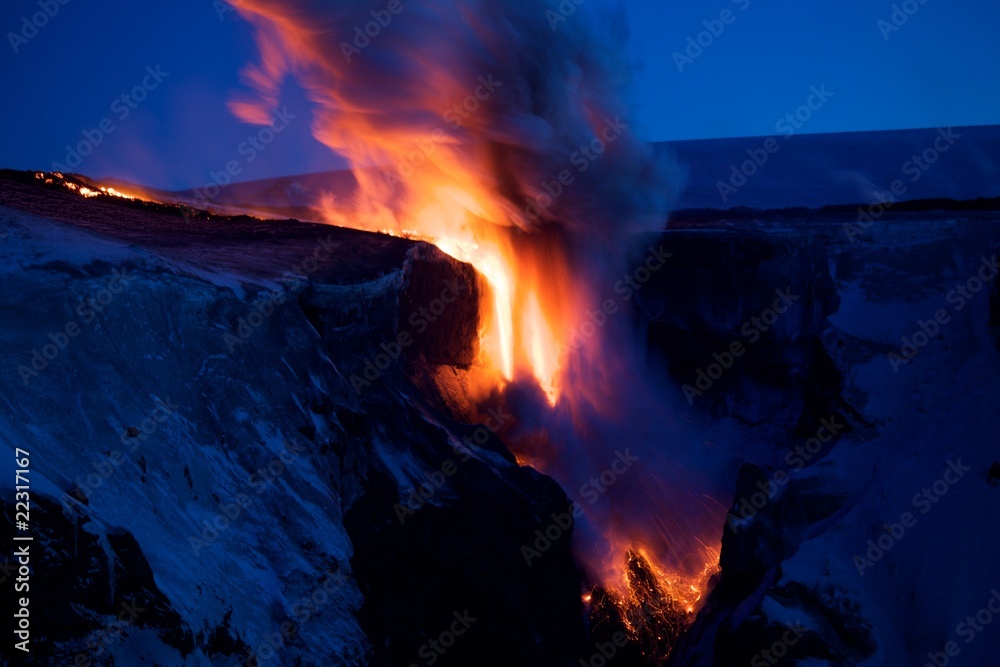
point(941, 67)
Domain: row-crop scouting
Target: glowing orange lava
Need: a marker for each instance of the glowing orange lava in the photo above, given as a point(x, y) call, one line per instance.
point(56, 178)
point(461, 184)
point(526, 308)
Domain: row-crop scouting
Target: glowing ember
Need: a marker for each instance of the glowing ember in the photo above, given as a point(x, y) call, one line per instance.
point(115, 193)
point(56, 178)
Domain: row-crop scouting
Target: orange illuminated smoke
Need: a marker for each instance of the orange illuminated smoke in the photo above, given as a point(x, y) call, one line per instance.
point(528, 302)
point(462, 181)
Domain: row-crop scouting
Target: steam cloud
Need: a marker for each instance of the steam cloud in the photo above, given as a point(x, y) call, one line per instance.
point(540, 147)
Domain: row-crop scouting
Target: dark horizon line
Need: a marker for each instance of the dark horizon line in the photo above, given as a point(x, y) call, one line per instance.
point(188, 190)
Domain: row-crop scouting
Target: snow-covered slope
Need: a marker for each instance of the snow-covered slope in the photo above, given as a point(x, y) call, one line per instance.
point(863, 524)
point(225, 440)
point(199, 452)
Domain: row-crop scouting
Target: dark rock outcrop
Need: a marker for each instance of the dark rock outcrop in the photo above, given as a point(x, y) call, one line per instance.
point(768, 295)
point(231, 476)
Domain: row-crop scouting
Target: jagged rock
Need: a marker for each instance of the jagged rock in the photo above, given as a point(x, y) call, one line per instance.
point(439, 307)
point(260, 490)
point(717, 290)
point(92, 590)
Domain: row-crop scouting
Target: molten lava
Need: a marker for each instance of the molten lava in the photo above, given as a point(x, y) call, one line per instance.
point(527, 185)
point(528, 302)
point(57, 179)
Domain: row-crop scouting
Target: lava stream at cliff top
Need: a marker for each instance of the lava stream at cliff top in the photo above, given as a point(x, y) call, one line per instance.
point(503, 140)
